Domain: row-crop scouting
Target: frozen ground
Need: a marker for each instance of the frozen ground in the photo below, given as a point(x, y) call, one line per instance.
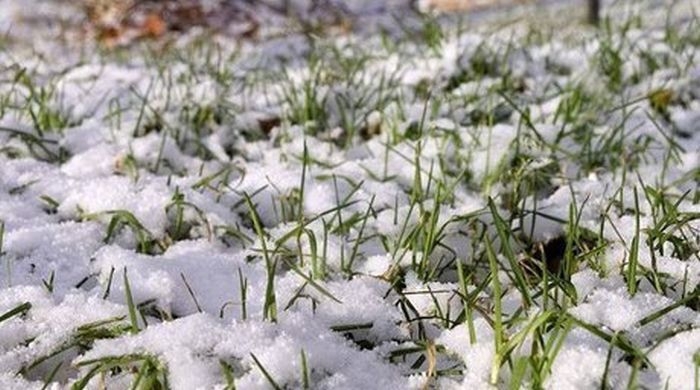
point(448, 204)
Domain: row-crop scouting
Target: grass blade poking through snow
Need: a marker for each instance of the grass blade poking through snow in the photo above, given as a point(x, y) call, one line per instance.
point(466, 302)
point(228, 375)
point(49, 378)
point(497, 314)
point(191, 292)
point(243, 284)
point(696, 361)
point(632, 263)
point(304, 371)
point(265, 373)
point(108, 289)
point(358, 240)
point(516, 269)
point(270, 305)
point(665, 310)
point(18, 310)
point(130, 305)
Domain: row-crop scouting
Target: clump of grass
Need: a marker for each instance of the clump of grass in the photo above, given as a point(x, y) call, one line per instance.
point(148, 371)
point(180, 228)
point(145, 240)
point(82, 339)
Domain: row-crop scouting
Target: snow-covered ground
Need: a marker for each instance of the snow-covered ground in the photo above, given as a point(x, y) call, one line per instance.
point(388, 201)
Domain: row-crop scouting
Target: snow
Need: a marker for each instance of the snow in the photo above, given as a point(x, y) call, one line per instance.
point(361, 234)
point(580, 367)
point(476, 356)
point(676, 359)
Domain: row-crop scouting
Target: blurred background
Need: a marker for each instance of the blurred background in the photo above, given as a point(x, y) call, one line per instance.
point(118, 22)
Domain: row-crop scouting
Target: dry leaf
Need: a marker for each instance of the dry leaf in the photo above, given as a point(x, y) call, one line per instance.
point(153, 26)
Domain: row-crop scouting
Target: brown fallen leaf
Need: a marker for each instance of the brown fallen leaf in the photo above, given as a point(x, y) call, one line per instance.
point(107, 13)
point(153, 26)
point(109, 36)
